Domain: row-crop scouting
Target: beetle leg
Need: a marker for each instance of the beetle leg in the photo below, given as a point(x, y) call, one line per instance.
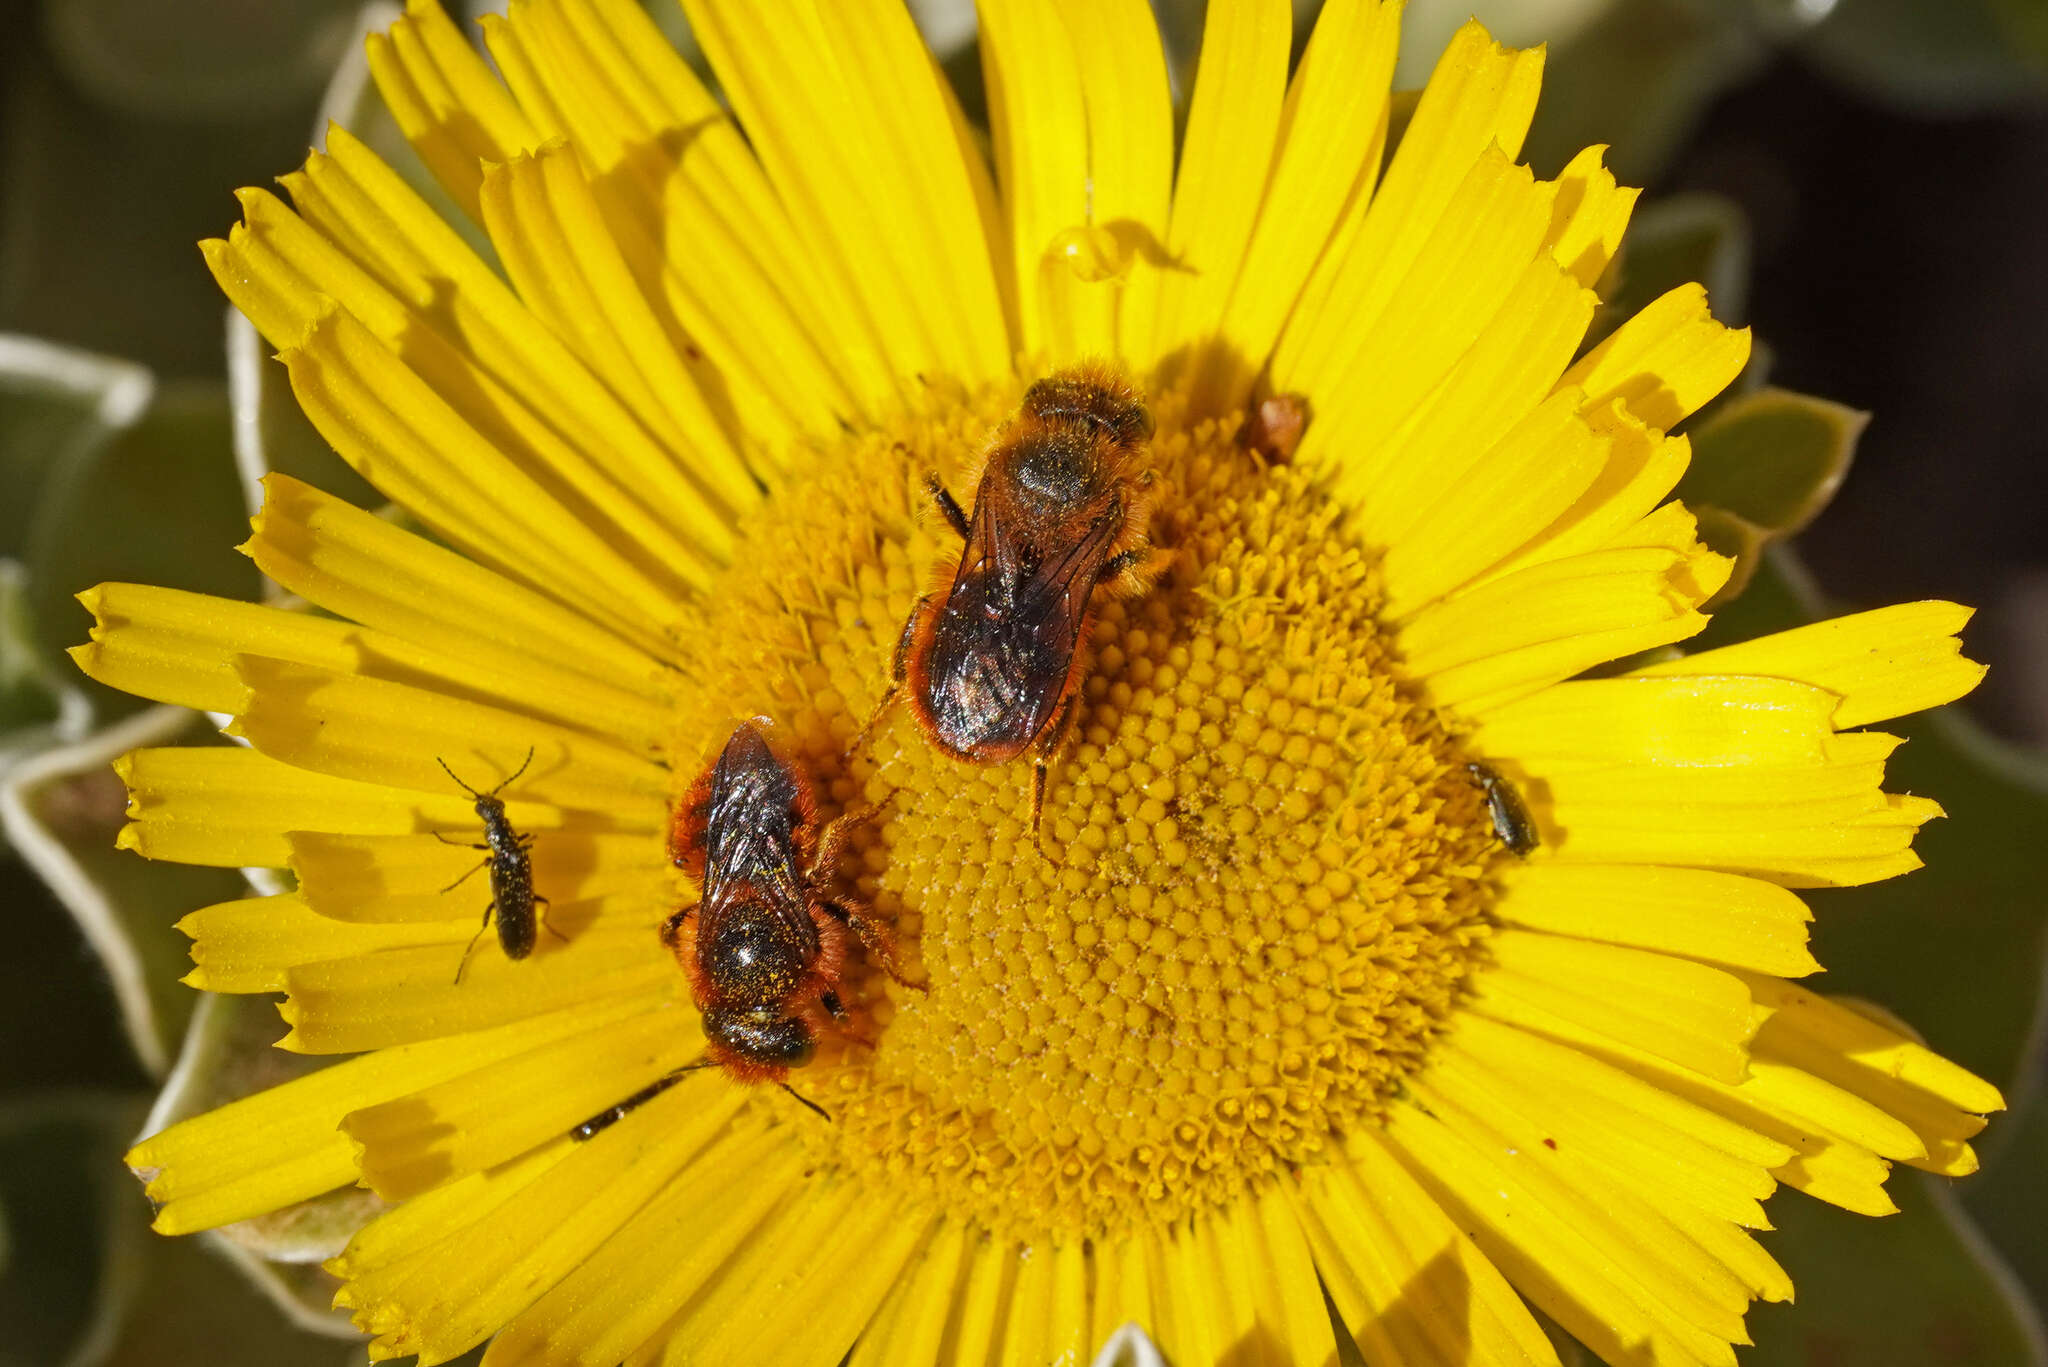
point(876, 938)
point(955, 518)
point(544, 925)
point(473, 943)
point(465, 877)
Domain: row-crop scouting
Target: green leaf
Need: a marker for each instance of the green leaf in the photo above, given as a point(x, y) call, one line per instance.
point(1916, 1289)
point(1638, 78)
point(90, 1286)
point(1956, 948)
point(157, 504)
point(230, 1052)
point(58, 405)
point(62, 810)
point(2009, 1199)
point(1955, 56)
point(1678, 240)
point(1773, 458)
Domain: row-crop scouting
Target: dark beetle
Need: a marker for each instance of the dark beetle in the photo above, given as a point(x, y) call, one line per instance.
point(509, 858)
point(1512, 822)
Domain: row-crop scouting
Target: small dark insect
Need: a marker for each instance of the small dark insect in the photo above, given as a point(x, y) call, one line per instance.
point(509, 858)
point(992, 657)
point(1274, 429)
point(765, 948)
point(1512, 823)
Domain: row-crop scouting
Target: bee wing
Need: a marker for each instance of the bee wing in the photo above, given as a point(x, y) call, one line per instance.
point(1055, 597)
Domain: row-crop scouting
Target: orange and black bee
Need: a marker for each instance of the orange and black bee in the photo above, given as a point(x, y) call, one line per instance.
point(765, 947)
point(991, 659)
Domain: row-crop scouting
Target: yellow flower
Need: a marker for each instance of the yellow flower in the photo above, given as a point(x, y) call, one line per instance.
point(1279, 1012)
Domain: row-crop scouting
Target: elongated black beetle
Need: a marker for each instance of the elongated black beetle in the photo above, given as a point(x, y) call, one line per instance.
point(508, 856)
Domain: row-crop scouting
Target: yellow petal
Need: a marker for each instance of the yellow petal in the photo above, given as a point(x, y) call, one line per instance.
point(352, 727)
point(1048, 1307)
point(1539, 1247)
point(393, 878)
point(1407, 1282)
point(230, 806)
point(264, 1152)
point(637, 1281)
point(417, 1142)
point(1643, 467)
point(1883, 663)
point(1259, 1258)
point(482, 1275)
point(1480, 96)
point(1670, 1170)
point(1824, 1164)
point(1591, 214)
point(1532, 475)
point(1689, 1013)
point(1570, 1183)
point(1706, 720)
point(691, 209)
point(1942, 1103)
point(560, 253)
point(1801, 826)
point(841, 102)
point(248, 946)
point(401, 996)
point(445, 99)
point(1568, 1058)
point(397, 431)
point(178, 647)
point(464, 618)
point(376, 250)
point(1225, 162)
point(911, 1327)
point(1509, 637)
point(351, 195)
point(1665, 362)
point(1331, 136)
point(1426, 311)
point(1038, 123)
point(857, 1241)
point(1721, 917)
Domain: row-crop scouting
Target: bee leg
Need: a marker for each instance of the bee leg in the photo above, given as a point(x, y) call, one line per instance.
point(874, 937)
point(473, 940)
point(832, 841)
point(828, 1001)
point(544, 923)
point(1053, 737)
point(1133, 570)
point(955, 518)
point(898, 672)
point(672, 929)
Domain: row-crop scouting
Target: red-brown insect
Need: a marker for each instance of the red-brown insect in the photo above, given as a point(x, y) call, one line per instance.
point(765, 948)
point(991, 659)
point(1273, 430)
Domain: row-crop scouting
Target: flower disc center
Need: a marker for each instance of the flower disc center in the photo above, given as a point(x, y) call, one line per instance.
point(1264, 877)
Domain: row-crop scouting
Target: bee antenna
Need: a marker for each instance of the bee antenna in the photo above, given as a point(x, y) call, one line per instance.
point(808, 1102)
